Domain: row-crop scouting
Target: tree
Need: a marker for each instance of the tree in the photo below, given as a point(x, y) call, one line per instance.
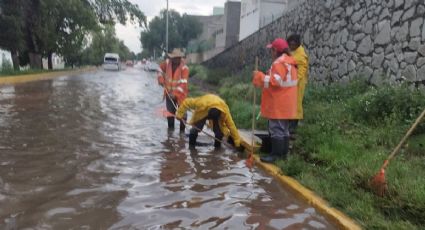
point(181, 30)
point(41, 27)
point(104, 41)
point(11, 27)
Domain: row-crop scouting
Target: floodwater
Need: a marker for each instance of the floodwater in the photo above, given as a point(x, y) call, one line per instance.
point(91, 152)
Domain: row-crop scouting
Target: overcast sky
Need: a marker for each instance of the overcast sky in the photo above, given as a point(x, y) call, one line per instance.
point(151, 8)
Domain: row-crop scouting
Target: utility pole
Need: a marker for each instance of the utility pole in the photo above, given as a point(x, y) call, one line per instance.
point(166, 31)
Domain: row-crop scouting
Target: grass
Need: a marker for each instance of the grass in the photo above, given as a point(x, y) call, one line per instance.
point(11, 72)
point(347, 133)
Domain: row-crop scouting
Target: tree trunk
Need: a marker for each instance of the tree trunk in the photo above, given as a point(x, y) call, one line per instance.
point(35, 61)
point(15, 60)
point(50, 61)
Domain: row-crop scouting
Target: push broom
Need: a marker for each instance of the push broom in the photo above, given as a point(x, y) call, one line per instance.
point(166, 113)
point(378, 183)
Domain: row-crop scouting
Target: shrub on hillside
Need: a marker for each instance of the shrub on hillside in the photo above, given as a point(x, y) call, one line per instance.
point(398, 104)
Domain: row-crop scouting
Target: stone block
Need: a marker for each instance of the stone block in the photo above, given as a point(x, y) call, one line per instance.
point(414, 43)
point(367, 72)
point(366, 46)
point(420, 10)
point(351, 66)
point(394, 65)
point(385, 14)
point(409, 73)
point(384, 34)
point(420, 62)
point(349, 10)
point(421, 74)
point(377, 60)
point(357, 15)
point(421, 50)
point(368, 27)
point(396, 17)
point(409, 13)
point(343, 69)
point(398, 3)
point(410, 57)
point(351, 45)
point(400, 33)
point(415, 28)
point(408, 4)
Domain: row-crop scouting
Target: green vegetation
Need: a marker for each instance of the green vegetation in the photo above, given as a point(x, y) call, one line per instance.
point(34, 29)
point(182, 29)
point(103, 41)
point(347, 133)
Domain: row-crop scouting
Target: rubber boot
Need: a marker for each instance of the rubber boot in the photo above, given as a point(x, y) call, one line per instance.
point(170, 122)
point(182, 127)
point(217, 144)
point(285, 148)
point(192, 139)
point(278, 149)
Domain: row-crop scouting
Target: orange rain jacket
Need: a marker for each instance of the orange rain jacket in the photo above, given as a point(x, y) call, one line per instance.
point(175, 83)
point(279, 97)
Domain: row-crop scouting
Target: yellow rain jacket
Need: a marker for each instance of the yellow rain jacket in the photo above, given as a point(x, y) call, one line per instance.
point(301, 59)
point(201, 105)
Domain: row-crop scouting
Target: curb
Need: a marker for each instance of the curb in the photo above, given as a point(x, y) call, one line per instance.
point(338, 218)
point(18, 79)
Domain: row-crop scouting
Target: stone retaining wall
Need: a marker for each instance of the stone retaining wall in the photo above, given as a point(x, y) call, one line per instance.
point(380, 40)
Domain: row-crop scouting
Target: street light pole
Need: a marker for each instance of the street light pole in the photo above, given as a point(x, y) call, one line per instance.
point(166, 33)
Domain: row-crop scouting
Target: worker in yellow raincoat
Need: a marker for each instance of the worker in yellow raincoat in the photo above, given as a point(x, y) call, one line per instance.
point(212, 108)
point(301, 59)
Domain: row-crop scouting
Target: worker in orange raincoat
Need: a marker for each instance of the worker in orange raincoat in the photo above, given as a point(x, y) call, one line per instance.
point(301, 58)
point(174, 77)
point(279, 97)
point(210, 108)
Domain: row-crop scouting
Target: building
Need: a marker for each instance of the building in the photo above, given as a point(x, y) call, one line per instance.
point(255, 14)
point(219, 32)
point(57, 62)
point(228, 35)
point(5, 57)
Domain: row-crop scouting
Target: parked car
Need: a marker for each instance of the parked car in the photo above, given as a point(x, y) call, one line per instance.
point(151, 66)
point(129, 63)
point(111, 61)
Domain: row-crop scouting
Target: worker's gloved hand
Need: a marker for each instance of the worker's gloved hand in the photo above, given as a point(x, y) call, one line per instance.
point(257, 79)
point(178, 117)
point(161, 80)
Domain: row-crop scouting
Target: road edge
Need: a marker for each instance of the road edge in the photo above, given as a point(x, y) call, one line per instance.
point(18, 79)
point(334, 215)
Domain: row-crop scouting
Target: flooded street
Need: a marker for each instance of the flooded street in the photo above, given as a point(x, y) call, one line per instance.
point(92, 152)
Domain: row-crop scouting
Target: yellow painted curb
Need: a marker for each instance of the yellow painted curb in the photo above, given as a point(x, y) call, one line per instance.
point(335, 216)
point(12, 80)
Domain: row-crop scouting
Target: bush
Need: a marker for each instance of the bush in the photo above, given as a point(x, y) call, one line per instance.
point(397, 105)
point(216, 76)
point(198, 71)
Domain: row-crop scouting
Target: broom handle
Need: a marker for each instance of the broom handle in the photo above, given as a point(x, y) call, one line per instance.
point(253, 108)
point(418, 120)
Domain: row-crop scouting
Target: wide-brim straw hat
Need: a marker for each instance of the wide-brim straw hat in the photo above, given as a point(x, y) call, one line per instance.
point(177, 52)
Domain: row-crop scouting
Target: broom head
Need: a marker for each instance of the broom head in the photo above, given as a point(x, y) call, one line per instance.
point(378, 183)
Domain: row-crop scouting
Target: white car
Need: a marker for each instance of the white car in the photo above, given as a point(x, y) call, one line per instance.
point(111, 61)
point(151, 66)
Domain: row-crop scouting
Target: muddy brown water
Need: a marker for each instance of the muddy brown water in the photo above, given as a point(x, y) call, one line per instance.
point(91, 152)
